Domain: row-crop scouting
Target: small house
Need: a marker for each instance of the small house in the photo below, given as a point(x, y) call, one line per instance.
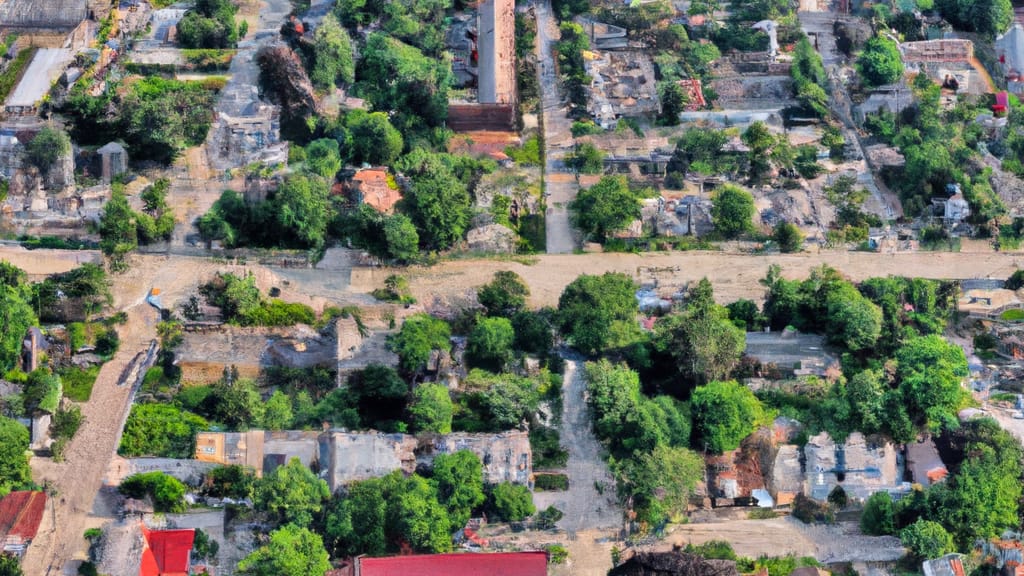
point(114, 161)
point(376, 188)
point(166, 552)
point(21, 512)
point(948, 565)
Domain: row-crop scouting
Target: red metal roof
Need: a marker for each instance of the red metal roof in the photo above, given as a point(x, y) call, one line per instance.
point(167, 552)
point(498, 564)
point(20, 514)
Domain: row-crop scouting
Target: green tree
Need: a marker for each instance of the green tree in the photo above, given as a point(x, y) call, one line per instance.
point(402, 238)
point(420, 335)
point(399, 78)
point(733, 211)
point(929, 372)
point(14, 470)
point(291, 551)
point(357, 523)
point(277, 412)
point(724, 413)
point(209, 24)
point(9, 566)
point(759, 140)
point(926, 540)
point(490, 343)
point(512, 502)
point(323, 158)
point(853, 320)
point(42, 391)
point(302, 209)
point(844, 194)
point(439, 204)
point(503, 401)
point(604, 208)
point(699, 150)
point(167, 492)
point(46, 148)
point(419, 518)
point(705, 344)
point(505, 295)
point(788, 237)
point(880, 63)
point(432, 409)
point(292, 493)
point(333, 63)
point(458, 479)
point(987, 17)
point(374, 139)
point(16, 317)
point(673, 103)
point(592, 309)
point(533, 332)
point(664, 480)
point(585, 159)
point(877, 518)
point(118, 231)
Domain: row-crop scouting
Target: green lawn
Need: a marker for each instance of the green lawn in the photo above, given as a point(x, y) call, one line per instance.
point(78, 382)
point(1012, 315)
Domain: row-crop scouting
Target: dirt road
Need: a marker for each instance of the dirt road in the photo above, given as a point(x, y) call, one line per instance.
point(733, 276)
point(77, 480)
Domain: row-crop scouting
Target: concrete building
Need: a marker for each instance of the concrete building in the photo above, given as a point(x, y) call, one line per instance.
point(497, 52)
point(350, 456)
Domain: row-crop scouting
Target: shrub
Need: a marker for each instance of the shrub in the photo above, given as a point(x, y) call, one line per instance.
point(557, 554)
point(167, 492)
point(512, 502)
point(809, 512)
point(551, 482)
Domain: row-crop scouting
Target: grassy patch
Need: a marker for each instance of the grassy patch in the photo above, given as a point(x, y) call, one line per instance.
point(762, 514)
point(547, 451)
point(78, 382)
point(551, 482)
point(9, 78)
point(1003, 397)
point(1012, 315)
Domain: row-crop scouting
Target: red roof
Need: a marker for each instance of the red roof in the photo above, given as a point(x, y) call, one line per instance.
point(167, 552)
point(498, 564)
point(20, 514)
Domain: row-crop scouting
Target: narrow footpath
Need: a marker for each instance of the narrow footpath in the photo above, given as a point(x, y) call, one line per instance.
point(560, 185)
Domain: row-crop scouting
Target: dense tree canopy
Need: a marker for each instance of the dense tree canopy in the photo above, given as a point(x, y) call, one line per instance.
point(724, 413)
point(333, 62)
point(880, 63)
point(987, 17)
point(489, 345)
point(167, 492)
point(512, 502)
point(292, 493)
point(48, 145)
point(431, 409)
point(702, 340)
point(606, 207)
point(458, 479)
point(16, 317)
point(505, 295)
point(291, 551)
point(733, 211)
point(14, 471)
point(209, 24)
point(594, 309)
point(419, 336)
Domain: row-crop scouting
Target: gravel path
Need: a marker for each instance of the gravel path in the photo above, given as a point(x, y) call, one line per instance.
point(585, 508)
point(76, 481)
point(560, 187)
